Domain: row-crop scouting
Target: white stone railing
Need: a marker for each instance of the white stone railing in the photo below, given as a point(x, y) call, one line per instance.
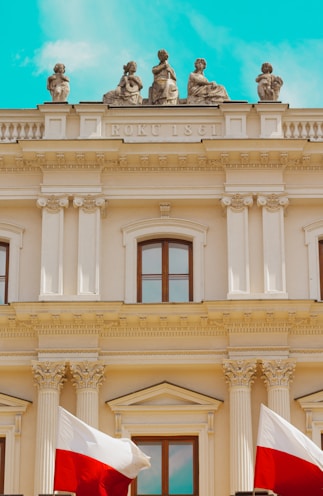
point(303, 124)
point(20, 125)
point(148, 124)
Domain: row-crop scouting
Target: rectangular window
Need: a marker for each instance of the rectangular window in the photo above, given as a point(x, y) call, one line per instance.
point(174, 467)
point(165, 270)
point(4, 269)
point(2, 462)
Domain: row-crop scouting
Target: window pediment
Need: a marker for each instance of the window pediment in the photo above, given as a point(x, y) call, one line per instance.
point(165, 395)
point(12, 404)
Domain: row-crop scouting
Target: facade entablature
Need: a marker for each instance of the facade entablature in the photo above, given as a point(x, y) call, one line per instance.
point(179, 123)
point(257, 316)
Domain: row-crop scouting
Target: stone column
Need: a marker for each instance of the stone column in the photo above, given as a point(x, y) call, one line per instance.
point(240, 375)
point(274, 243)
point(277, 375)
point(49, 378)
point(238, 243)
point(90, 209)
point(87, 378)
point(51, 279)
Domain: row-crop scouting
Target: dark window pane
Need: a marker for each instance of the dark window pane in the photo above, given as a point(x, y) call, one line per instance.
point(151, 259)
point(151, 290)
point(180, 468)
point(3, 257)
point(178, 289)
point(178, 258)
point(150, 481)
point(2, 291)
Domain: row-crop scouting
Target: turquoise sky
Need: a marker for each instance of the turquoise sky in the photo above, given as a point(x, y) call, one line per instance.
point(95, 38)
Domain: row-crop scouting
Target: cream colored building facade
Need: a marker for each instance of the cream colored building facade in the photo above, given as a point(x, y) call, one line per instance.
point(81, 186)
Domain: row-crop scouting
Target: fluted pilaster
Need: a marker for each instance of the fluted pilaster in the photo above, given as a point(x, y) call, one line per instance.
point(87, 379)
point(49, 378)
point(240, 375)
point(277, 375)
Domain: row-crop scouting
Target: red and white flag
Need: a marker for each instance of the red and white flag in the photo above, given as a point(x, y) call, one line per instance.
point(287, 461)
point(89, 462)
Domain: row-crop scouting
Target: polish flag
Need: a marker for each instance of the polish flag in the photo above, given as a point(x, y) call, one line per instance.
point(287, 461)
point(89, 462)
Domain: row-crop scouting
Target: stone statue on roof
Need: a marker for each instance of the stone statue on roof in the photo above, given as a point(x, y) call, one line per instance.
point(200, 90)
point(268, 84)
point(128, 89)
point(58, 84)
point(164, 89)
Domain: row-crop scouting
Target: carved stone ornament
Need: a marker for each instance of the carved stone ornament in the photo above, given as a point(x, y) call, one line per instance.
point(240, 372)
point(272, 202)
point(49, 375)
point(87, 375)
point(278, 372)
point(237, 202)
point(89, 203)
point(53, 204)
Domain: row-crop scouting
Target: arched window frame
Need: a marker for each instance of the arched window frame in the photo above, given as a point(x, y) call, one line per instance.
point(12, 234)
point(313, 234)
point(164, 228)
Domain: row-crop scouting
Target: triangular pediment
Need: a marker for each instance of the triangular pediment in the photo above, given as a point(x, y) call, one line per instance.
point(164, 395)
point(12, 404)
point(313, 400)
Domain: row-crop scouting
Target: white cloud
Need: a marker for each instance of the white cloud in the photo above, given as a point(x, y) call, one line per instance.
point(74, 54)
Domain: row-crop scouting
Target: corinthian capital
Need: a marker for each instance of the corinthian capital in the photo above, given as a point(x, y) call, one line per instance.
point(49, 375)
point(237, 202)
point(240, 372)
point(87, 375)
point(278, 372)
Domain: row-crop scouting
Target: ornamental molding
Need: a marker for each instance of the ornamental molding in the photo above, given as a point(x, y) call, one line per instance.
point(278, 372)
point(117, 161)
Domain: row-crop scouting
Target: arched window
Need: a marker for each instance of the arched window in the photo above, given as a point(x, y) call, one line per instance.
point(4, 272)
point(165, 271)
point(314, 241)
point(188, 238)
point(11, 236)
